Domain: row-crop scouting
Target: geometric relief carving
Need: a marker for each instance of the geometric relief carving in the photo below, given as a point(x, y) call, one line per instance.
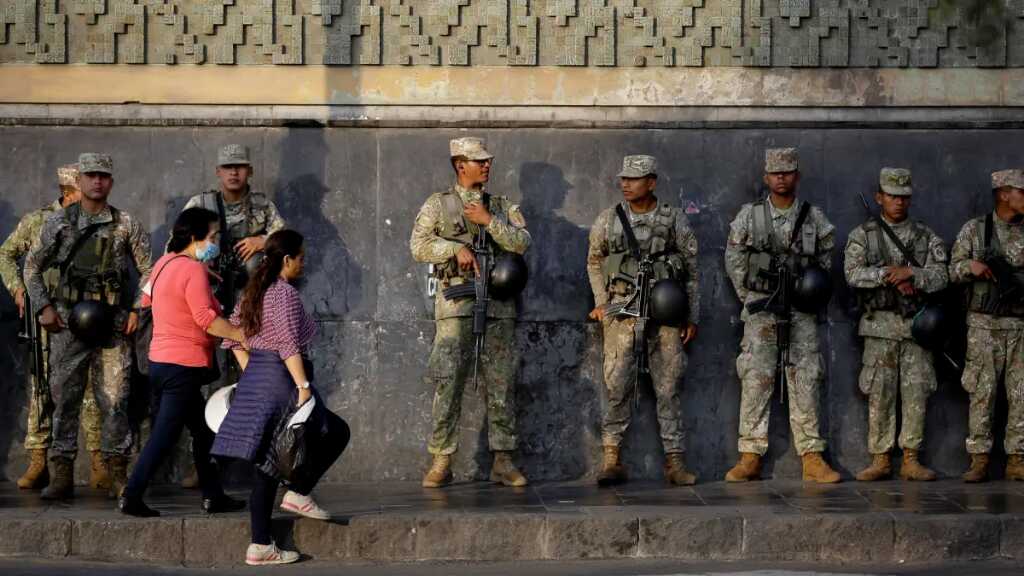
point(661, 33)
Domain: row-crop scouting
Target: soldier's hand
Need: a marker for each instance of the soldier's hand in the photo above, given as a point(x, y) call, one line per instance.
point(896, 275)
point(246, 247)
point(597, 313)
point(19, 301)
point(689, 333)
point(50, 320)
point(467, 260)
point(477, 214)
point(132, 324)
point(906, 288)
point(981, 270)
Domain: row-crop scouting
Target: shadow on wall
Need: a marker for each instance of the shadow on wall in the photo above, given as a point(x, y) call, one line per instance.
point(12, 390)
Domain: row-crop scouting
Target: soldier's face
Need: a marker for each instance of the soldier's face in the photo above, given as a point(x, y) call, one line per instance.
point(475, 171)
point(637, 189)
point(894, 208)
point(1014, 198)
point(782, 183)
point(95, 185)
point(234, 177)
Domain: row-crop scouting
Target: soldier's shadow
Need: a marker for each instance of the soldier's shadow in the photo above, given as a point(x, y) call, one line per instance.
point(13, 389)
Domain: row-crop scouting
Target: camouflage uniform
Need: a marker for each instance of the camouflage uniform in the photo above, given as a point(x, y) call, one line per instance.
point(758, 356)
point(72, 361)
point(438, 223)
point(665, 345)
point(892, 361)
point(38, 428)
point(995, 341)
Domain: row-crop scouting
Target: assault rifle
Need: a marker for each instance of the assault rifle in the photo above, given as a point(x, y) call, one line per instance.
point(638, 306)
point(1009, 284)
point(31, 335)
point(780, 304)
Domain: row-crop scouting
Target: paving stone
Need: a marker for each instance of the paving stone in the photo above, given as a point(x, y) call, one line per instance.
point(946, 537)
point(383, 537)
point(692, 537)
point(1011, 543)
point(590, 536)
point(216, 541)
point(36, 537)
point(154, 540)
point(493, 537)
point(800, 537)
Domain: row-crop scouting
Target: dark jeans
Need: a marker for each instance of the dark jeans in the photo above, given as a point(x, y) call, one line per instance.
point(325, 451)
point(179, 403)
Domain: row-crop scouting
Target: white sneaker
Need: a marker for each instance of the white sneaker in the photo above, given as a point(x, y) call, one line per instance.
point(268, 554)
point(303, 506)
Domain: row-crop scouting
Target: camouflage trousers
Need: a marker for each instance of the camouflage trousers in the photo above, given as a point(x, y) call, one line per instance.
point(890, 366)
point(755, 367)
point(994, 355)
point(451, 365)
point(39, 428)
point(74, 365)
point(667, 361)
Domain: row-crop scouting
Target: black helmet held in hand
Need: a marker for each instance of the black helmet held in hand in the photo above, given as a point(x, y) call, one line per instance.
point(508, 276)
point(92, 322)
point(812, 289)
point(929, 327)
point(669, 303)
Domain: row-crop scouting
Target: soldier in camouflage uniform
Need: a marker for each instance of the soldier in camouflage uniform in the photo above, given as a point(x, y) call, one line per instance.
point(988, 255)
point(761, 236)
point(92, 243)
point(659, 229)
point(38, 428)
point(442, 236)
point(890, 290)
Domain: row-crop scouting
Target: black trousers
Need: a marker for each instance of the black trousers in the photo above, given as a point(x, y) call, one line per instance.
point(179, 403)
point(325, 451)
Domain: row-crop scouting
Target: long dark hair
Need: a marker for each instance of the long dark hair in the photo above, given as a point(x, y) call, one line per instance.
point(280, 244)
point(192, 224)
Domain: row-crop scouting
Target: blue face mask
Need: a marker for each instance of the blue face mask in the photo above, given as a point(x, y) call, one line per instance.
point(208, 252)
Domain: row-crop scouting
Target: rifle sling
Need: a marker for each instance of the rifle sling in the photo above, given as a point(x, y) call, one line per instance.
point(89, 232)
point(896, 240)
point(801, 217)
point(627, 229)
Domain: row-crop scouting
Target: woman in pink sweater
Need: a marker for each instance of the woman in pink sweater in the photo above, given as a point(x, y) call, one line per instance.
point(185, 318)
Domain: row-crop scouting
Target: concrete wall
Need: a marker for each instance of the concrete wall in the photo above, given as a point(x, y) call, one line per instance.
point(355, 191)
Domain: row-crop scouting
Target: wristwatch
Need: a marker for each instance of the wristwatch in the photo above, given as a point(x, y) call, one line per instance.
point(303, 386)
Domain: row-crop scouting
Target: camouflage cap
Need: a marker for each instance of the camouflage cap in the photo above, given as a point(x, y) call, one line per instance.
point(781, 160)
point(1013, 178)
point(67, 175)
point(472, 148)
point(233, 155)
point(895, 181)
point(93, 162)
point(638, 166)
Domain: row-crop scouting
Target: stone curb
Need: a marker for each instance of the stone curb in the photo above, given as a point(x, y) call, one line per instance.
point(701, 536)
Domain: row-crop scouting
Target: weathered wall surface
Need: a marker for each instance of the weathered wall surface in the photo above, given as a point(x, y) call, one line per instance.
point(355, 191)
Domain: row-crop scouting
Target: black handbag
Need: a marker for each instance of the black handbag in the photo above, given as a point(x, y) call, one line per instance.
point(289, 455)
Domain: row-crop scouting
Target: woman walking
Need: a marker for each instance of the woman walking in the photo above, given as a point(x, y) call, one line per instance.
point(185, 316)
point(275, 379)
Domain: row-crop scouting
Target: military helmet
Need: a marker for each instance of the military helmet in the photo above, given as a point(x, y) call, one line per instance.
point(812, 289)
point(929, 327)
point(669, 303)
point(92, 322)
point(508, 276)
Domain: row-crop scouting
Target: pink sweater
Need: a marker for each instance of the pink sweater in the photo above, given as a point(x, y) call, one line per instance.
point(183, 308)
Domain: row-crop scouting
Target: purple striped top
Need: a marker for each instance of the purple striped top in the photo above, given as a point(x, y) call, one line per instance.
point(285, 328)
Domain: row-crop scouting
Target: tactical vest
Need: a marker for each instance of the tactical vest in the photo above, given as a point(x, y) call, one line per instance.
point(878, 254)
point(453, 226)
point(659, 238)
point(90, 271)
point(768, 251)
point(984, 295)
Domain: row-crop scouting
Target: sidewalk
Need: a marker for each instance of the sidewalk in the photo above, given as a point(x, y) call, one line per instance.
point(885, 522)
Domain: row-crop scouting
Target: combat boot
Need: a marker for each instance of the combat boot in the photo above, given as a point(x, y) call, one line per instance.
point(440, 473)
point(880, 468)
point(191, 481)
point(99, 478)
point(504, 471)
point(37, 476)
point(817, 470)
point(748, 468)
point(118, 468)
point(676, 472)
point(62, 483)
point(912, 469)
point(612, 471)
point(1015, 467)
point(978, 472)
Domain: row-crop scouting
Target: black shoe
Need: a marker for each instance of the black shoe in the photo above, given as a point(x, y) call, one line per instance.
point(137, 508)
point(221, 504)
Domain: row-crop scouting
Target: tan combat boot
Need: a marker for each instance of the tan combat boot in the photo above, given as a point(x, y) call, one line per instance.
point(118, 468)
point(676, 472)
point(748, 468)
point(612, 471)
point(912, 469)
point(978, 472)
point(37, 476)
point(817, 470)
point(1015, 467)
point(62, 483)
point(191, 480)
point(99, 478)
point(504, 471)
point(880, 468)
point(440, 473)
